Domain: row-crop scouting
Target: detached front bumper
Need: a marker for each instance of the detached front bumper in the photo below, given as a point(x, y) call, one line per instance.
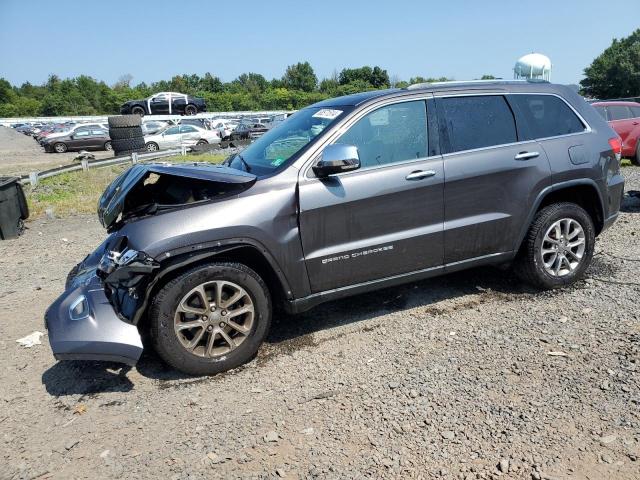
point(96, 333)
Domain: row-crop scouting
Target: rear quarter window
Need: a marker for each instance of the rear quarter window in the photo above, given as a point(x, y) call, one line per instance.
point(618, 112)
point(635, 111)
point(476, 122)
point(602, 111)
point(547, 116)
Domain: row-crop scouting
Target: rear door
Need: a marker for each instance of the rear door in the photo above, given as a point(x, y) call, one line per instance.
point(189, 135)
point(384, 219)
point(81, 138)
point(492, 176)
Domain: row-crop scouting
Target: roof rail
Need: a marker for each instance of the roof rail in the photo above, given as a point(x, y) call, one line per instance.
point(417, 86)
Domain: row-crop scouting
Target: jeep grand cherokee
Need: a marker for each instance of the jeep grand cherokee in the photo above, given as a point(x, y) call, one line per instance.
point(348, 195)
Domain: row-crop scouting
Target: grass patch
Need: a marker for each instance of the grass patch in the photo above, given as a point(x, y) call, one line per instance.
point(205, 157)
point(78, 192)
point(71, 193)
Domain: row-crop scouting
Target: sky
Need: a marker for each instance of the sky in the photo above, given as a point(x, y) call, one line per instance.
point(156, 39)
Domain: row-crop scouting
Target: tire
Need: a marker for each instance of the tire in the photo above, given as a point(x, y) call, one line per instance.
point(190, 109)
point(123, 133)
point(60, 147)
point(138, 110)
point(121, 121)
point(636, 160)
point(202, 141)
point(530, 265)
point(128, 144)
point(107, 146)
point(169, 341)
point(152, 147)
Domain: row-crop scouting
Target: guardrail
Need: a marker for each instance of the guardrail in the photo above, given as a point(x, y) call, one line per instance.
point(103, 118)
point(34, 177)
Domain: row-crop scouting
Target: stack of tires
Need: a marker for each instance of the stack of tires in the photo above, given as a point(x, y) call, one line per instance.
point(126, 134)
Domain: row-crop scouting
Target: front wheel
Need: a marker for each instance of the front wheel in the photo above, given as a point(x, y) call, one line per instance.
point(137, 111)
point(60, 147)
point(558, 247)
point(210, 319)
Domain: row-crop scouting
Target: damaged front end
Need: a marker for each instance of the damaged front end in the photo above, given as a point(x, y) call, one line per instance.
point(107, 293)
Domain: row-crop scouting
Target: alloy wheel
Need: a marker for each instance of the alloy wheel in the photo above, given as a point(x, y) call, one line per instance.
point(563, 247)
point(214, 318)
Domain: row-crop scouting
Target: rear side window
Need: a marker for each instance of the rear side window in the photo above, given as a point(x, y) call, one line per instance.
point(391, 134)
point(547, 115)
point(635, 111)
point(618, 112)
point(477, 122)
point(602, 112)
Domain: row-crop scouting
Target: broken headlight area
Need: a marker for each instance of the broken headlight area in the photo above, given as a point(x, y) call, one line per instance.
point(125, 275)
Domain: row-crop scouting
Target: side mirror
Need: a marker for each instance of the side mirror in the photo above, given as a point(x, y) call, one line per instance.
point(72, 136)
point(337, 158)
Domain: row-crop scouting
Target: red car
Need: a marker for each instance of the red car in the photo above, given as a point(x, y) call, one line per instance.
point(624, 118)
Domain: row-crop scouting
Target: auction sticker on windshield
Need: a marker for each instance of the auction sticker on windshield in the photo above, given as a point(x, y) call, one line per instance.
point(327, 113)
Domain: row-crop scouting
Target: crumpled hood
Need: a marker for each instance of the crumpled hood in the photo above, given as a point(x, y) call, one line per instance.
point(112, 201)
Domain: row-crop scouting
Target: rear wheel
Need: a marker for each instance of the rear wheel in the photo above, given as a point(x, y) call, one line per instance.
point(558, 247)
point(190, 109)
point(108, 147)
point(152, 147)
point(211, 318)
point(202, 141)
point(60, 147)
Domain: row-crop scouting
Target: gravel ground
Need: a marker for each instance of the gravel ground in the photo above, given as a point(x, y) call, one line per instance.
point(20, 154)
point(465, 376)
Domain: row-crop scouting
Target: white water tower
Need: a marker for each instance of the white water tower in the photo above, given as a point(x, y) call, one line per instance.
point(533, 66)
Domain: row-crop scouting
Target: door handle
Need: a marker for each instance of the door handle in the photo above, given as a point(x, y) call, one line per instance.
point(420, 174)
point(526, 155)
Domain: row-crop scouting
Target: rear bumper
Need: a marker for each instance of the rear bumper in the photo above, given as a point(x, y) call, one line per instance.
point(100, 335)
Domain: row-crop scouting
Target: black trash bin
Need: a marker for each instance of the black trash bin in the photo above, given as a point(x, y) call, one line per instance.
point(13, 208)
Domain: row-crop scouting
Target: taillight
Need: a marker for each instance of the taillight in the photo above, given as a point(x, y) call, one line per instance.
point(616, 146)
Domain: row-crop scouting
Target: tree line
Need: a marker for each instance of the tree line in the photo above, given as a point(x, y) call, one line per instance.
point(615, 73)
point(297, 88)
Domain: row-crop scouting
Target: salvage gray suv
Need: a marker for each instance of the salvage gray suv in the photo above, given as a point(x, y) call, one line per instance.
point(346, 196)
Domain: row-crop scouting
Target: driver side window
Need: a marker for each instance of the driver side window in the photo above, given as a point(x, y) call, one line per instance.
point(392, 134)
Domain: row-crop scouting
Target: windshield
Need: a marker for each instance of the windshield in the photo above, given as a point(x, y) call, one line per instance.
point(279, 145)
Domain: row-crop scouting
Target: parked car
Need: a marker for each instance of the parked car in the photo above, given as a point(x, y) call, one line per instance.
point(624, 118)
point(347, 196)
point(225, 127)
point(279, 118)
point(180, 135)
point(64, 131)
point(165, 103)
point(89, 137)
point(198, 122)
point(248, 131)
point(153, 127)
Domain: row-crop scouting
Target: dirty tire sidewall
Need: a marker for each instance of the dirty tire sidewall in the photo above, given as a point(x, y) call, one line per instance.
point(125, 133)
point(529, 266)
point(162, 311)
point(636, 160)
point(125, 121)
point(128, 144)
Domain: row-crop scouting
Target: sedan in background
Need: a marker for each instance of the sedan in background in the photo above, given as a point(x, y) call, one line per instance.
point(181, 136)
point(165, 103)
point(153, 127)
point(624, 118)
point(82, 138)
point(248, 131)
point(225, 127)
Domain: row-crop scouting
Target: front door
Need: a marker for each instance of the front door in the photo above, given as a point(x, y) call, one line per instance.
point(159, 105)
point(384, 219)
point(492, 177)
